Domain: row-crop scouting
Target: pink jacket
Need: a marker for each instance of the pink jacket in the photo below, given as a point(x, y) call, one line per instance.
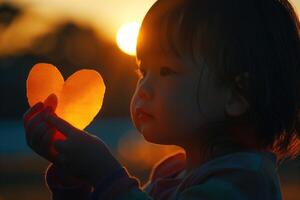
point(236, 176)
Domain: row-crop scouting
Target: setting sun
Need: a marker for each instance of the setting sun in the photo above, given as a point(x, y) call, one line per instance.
point(127, 37)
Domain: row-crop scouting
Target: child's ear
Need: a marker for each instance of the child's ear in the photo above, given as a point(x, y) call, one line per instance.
point(236, 104)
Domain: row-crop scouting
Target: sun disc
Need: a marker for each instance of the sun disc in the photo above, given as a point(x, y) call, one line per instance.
point(127, 37)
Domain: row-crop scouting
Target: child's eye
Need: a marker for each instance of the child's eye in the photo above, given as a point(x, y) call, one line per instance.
point(165, 71)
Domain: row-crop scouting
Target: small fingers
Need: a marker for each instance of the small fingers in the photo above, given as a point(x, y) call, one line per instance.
point(36, 133)
point(47, 138)
point(31, 111)
point(37, 118)
point(40, 140)
point(45, 144)
point(62, 126)
point(60, 145)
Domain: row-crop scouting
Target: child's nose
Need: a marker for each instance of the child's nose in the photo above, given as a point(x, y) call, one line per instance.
point(144, 91)
point(143, 94)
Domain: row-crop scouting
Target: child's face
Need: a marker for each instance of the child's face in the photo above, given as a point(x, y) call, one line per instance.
point(168, 92)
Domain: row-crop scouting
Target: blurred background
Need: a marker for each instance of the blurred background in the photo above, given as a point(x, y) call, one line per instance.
point(72, 35)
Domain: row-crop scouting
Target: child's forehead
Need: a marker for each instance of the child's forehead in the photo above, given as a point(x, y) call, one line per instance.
point(162, 59)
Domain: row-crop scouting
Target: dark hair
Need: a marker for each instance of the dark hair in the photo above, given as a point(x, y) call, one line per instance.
point(232, 37)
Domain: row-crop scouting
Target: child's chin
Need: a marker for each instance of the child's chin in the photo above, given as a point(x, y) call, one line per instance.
point(153, 135)
point(156, 139)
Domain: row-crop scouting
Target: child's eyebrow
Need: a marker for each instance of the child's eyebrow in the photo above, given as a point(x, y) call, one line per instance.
point(141, 64)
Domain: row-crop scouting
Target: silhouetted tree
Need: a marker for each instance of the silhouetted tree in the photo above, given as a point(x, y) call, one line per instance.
point(8, 13)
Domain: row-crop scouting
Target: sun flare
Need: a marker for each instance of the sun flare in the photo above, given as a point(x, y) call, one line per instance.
point(127, 37)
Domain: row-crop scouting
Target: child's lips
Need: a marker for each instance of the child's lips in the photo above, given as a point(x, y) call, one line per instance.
point(142, 114)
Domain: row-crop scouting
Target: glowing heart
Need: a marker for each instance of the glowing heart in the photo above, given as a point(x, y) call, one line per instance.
point(76, 100)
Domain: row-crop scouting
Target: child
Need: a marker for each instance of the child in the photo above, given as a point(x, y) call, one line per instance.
point(218, 78)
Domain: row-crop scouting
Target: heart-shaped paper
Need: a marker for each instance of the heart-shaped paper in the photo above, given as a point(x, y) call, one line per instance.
point(77, 100)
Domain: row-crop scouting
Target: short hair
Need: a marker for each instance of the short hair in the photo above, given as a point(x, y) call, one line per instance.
point(257, 37)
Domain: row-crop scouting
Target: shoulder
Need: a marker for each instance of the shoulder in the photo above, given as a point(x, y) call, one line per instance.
point(235, 176)
point(246, 162)
point(168, 166)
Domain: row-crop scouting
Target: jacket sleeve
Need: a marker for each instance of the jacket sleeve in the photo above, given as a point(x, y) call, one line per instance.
point(64, 187)
point(119, 186)
point(212, 190)
point(232, 185)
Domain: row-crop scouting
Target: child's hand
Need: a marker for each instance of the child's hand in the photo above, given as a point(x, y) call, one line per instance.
point(38, 132)
point(81, 154)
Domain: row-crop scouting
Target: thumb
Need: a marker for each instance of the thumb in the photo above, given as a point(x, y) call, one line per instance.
point(51, 101)
point(60, 145)
point(61, 125)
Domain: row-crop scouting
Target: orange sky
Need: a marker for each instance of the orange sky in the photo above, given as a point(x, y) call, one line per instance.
point(106, 15)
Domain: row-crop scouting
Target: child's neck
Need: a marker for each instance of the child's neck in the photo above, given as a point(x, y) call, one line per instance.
point(197, 154)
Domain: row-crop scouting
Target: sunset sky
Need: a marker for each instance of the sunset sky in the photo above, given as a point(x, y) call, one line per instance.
point(106, 16)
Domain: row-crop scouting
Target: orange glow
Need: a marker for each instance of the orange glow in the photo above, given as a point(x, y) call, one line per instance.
point(99, 13)
point(127, 37)
point(79, 98)
point(138, 152)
